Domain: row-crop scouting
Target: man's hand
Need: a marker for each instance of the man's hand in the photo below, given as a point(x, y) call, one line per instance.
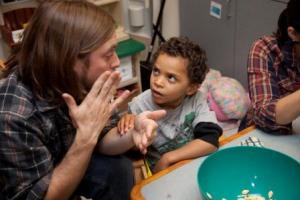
point(92, 114)
point(145, 128)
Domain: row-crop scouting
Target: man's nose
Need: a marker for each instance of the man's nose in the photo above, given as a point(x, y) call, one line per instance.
point(115, 62)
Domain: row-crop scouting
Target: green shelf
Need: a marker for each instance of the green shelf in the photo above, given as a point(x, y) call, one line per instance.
point(129, 47)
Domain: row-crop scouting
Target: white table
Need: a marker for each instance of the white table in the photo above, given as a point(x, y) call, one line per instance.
point(179, 182)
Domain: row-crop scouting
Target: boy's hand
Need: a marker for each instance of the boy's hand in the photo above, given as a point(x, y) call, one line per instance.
point(126, 123)
point(163, 163)
point(145, 128)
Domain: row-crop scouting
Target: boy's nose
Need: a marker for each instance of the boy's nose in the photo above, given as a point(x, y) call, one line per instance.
point(158, 81)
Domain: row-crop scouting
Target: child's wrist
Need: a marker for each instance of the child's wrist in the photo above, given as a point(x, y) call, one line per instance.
point(169, 157)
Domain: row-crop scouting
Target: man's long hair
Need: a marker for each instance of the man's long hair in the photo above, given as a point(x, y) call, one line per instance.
point(58, 34)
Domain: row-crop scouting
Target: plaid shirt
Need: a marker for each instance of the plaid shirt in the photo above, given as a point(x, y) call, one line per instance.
point(34, 138)
point(272, 74)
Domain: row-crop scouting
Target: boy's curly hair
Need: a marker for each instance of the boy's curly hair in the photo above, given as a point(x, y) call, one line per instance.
point(182, 46)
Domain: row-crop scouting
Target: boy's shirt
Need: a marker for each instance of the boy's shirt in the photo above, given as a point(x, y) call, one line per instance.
point(176, 128)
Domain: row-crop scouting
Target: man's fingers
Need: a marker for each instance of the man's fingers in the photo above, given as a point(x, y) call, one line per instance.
point(120, 99)
point(109, 88)
point(97, 86)
point(70, 101)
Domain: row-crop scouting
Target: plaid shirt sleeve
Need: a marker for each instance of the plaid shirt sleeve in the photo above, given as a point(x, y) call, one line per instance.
point(263, 84)
point(26, 166)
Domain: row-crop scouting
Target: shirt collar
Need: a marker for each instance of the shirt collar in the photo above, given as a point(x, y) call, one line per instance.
point(44, 106)
point(41, 104)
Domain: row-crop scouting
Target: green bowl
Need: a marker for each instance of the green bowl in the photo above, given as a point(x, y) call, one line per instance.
point(232, 172)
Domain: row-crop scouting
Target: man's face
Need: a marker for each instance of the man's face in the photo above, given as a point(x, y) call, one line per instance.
point(102, 59)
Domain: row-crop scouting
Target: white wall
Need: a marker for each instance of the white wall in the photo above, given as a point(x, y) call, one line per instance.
point(171, 24)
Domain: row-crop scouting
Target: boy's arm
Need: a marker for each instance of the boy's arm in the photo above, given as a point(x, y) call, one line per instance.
point(206, 136)
point(140, 136)
point(193, 149)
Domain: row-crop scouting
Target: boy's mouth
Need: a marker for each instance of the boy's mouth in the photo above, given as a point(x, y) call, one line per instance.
point(156, 93)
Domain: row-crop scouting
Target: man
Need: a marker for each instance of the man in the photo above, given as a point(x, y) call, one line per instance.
point(56, 109)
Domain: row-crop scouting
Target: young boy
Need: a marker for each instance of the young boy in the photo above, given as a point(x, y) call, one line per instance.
point(189, 129)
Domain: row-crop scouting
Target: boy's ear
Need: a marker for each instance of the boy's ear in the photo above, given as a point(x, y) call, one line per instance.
point(192, 89)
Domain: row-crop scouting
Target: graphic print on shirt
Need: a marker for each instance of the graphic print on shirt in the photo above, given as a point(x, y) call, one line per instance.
point(184, 135)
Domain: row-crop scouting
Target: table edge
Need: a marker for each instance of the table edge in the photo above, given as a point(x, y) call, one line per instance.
point(136, 191)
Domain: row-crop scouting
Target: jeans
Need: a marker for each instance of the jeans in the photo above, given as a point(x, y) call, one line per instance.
point(107, 178)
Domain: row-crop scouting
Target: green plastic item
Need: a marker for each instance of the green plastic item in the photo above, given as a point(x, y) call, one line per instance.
point(129, 47)
point(233, 173)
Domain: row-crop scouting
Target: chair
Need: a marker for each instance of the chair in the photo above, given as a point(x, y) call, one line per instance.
point(140, 171)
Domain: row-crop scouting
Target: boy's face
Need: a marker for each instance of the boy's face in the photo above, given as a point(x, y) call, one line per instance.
point(169, 81)
point(102, 59)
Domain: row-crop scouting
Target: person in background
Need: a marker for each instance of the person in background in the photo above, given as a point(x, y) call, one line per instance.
point(58, 135)
point(274, 76)
point(189, 129)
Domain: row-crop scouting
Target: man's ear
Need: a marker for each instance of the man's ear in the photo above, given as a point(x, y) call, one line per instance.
point(192, 89)
point(292, 33)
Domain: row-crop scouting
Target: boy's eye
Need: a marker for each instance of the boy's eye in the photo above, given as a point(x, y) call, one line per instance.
point(155, 71)
point(172, 79)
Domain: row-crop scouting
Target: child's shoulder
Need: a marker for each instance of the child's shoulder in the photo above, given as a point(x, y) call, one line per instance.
point(197, 98)
point(142, 102)
point(146, 95)
point(195, 102)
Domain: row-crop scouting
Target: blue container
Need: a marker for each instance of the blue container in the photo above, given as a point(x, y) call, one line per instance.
point(230, 172)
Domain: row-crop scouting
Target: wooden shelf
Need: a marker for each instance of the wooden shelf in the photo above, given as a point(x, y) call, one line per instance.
point(128, 82)
point(103, 2)
point(17, 4)
point(121, 34)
